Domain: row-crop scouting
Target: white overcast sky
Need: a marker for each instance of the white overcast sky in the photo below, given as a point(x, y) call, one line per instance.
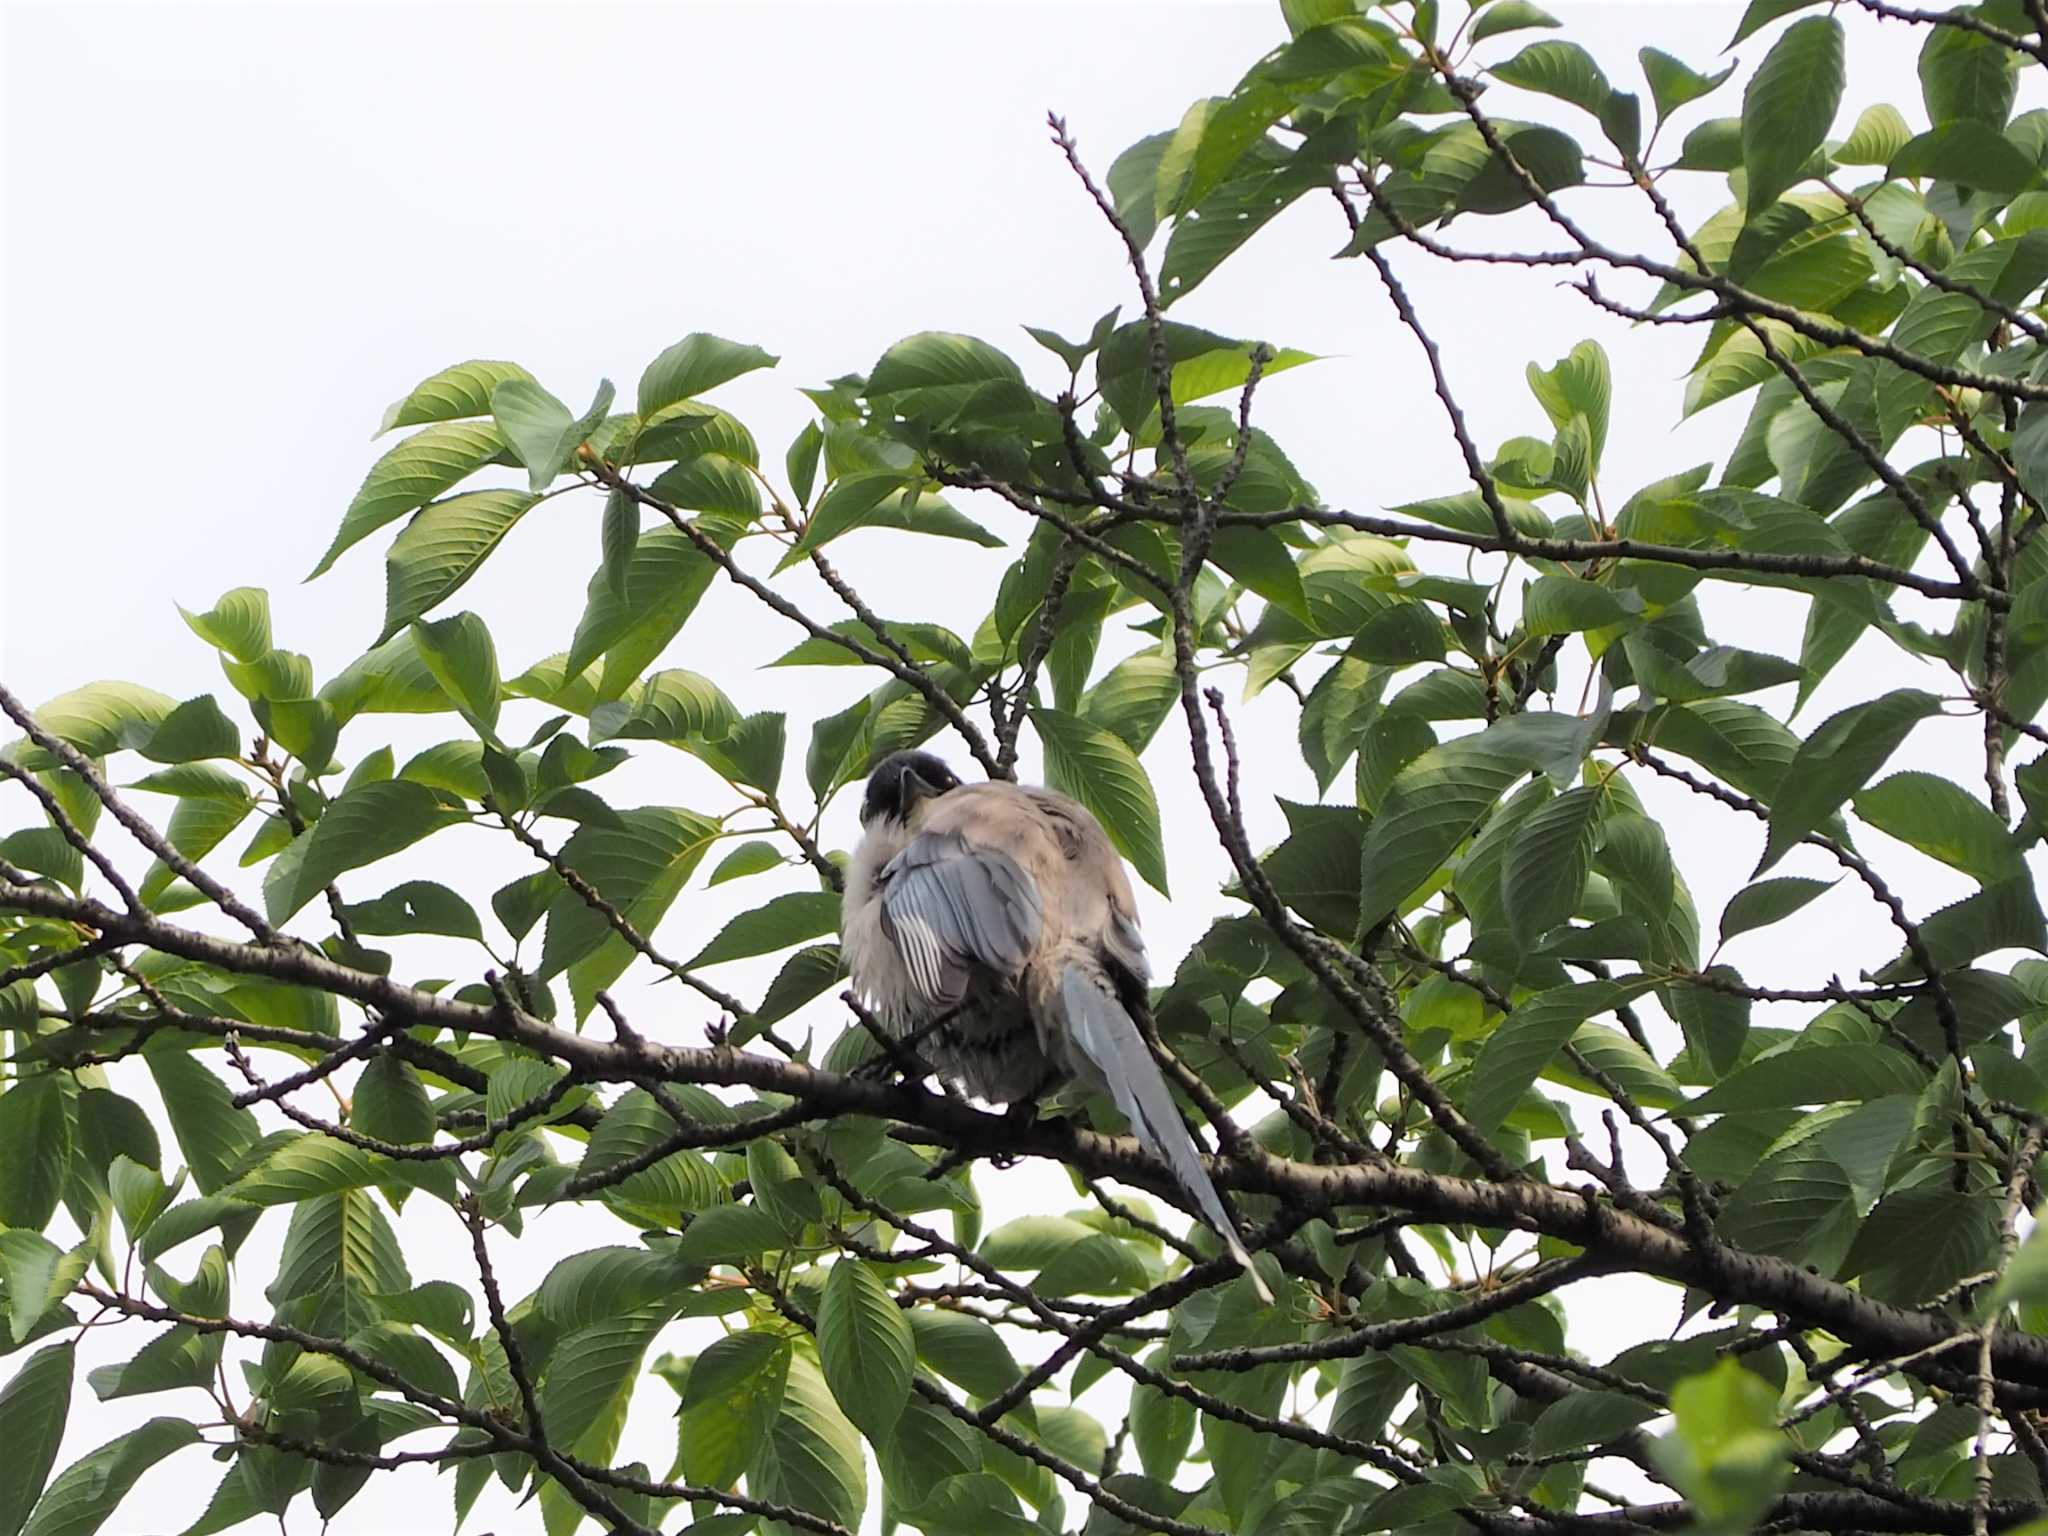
point(234, 232)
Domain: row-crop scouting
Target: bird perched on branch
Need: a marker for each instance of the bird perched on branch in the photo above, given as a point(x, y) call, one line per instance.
point(993, 925)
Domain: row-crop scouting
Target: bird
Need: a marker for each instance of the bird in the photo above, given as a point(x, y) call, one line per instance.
point(994, 925)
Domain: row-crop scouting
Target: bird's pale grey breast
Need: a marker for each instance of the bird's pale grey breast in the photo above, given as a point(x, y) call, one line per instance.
point(994, 925)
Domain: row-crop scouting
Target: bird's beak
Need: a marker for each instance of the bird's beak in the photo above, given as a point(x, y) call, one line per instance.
point(913, 789)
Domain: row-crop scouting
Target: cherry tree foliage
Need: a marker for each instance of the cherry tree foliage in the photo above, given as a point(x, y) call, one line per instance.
point(1464, 1045)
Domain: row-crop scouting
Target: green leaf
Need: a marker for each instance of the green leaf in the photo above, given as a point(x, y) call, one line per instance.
point(35, 1149)
point(450, 395)
point(713, 483)
point(865, 1347)
point(1811, 1075)
point(101, 718)
point(87, 1492)
point(1509, 16)
point(1727, 1456)
point(926, 1447)
point(390, 1103)
point(1200, 363)
point(805, 975)
point(590, 1375)
point(1674, 84)
point(211, 1132)
point(416, 906)
point(1768, 901)
point(1586, 1418)
point(1716, 1023)
point(1879, 134)
point(362, 825)
point(1836, 760)
point(1432, 806)
point(39, 1276)
point(139, 1194)
point(1264, 185)
point(1098, 769)
point(195, 729)
point(441, 548)
point(33, 1406)
point(697, 363)
point(1544, 871)
point(638, 867)
point(674, 706)
point(883, 501)
point(238, 624)
point(538, 428)
point(45, 851)
point(1762, 13)
point(667, 579)
point(801, 461)
point(965, 1350)
point(785, 920)
point(1788, 106)
point(409, 476)
point(925, 642)
point(1971, 154)
point(1943, 821)
point(729, 1403)
point(620, 532)
point(1579, 385)
point(812, 1456)
point(1559, 604)
point(1316, 870)
point(675, 1188)
point(1917, 1243)
point(307, 1166)
point(749, 858)
point(340, 1249)
point(1263, 563)
point(2002, 916)
point(459, 652)
point(1560, 69)
point(1522, 1046)
point(1964, 74)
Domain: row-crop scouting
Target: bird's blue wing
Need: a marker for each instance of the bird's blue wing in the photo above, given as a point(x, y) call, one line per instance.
point(951, 906)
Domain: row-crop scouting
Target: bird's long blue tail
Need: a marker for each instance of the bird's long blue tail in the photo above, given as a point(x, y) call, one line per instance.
point(1109, 1038)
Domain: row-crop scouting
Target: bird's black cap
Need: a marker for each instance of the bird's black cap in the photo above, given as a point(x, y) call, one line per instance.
point(899, 780)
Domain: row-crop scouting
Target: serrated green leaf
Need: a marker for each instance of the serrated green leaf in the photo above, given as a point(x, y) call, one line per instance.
point(1768, 901)
point(409, 476)
point(1788, 106)
point(784, 920)
point(1509, 16)
point(1086, 761)
point(697, 363)
point(1433, 804)
point(458, 651)
point(87, 1492)
point(1837, 760)
point(865, 1347)
point(811, 1457)
point(1943, 822)
point(1522, 1046)
point(33, 1406)
point(36, 1130)
point(239, 624)
point(369, 822)
point(450, 395)
point(441, 548)
point(1544, 870)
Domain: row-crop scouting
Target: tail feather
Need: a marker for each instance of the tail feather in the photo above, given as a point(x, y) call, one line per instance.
point(1109, 1038)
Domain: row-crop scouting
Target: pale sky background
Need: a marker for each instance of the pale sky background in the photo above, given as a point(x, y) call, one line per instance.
point(234, 232)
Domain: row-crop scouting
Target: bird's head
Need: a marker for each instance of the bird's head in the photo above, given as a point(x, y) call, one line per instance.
point(901, 781)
